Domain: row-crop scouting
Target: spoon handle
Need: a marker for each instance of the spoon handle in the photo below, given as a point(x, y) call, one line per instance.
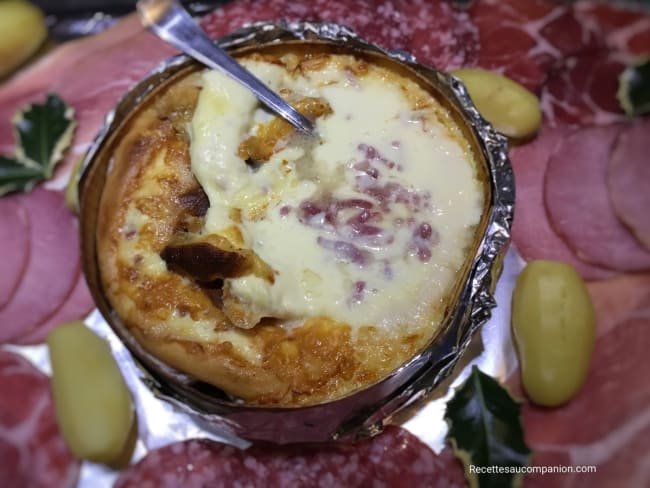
point(171, 22)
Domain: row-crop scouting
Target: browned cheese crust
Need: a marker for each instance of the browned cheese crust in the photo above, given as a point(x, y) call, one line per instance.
point(150, 199)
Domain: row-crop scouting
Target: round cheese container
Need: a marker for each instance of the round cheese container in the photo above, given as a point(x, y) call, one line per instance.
point(293, 288)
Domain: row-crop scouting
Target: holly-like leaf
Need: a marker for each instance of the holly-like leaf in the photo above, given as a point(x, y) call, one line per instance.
point(486, 433)
point(15, 176)
point(42, 132)
point(634, 89)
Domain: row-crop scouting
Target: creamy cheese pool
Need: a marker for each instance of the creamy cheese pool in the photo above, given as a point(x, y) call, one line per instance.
point(368, 224)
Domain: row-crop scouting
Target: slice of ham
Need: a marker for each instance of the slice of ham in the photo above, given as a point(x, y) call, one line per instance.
point(52, 268)
point(531, 230)
point(393, 458)
point(76, 306)
point(628, 180)
point(623, 297)
point(14, 250)
point(33, 453)
point(577, 201)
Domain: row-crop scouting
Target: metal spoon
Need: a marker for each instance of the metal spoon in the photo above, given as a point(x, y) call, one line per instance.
point(171, 22)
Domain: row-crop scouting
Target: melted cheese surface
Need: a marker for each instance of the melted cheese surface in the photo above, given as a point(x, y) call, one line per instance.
point(369, 224)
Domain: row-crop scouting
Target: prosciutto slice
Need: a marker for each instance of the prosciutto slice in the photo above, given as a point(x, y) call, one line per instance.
point(14, 246)
point(393, 458)
point(582, 89)
point(89, 74)
point(524, 39)
point(628, 180)
point(578, 205)
point(33, 453)
point(623, 30)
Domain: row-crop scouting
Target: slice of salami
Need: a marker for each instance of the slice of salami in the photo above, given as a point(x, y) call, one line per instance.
point(434, 31)
point(578, 204)
point(52, 268)
point(531, 230)
point(33, 453)
point(628, 180)
point(394, 458)
point(14, 246)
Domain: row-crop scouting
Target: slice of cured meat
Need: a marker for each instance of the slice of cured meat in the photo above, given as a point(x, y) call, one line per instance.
point(578, 204)
point(571, 53)
point(524, 39)
point(14, 246)
point(52, 268)
point(531, 230)
point(33, 453)
point(615, 300)
point(37, 77)
point(582, 84)
point(76, 306)
point(394, 458)
point(624, 30)
point(582, 89)
point(628, 180)
point(435, 32)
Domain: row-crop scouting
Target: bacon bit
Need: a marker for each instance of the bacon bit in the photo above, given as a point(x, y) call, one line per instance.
point(284, 210)
point(424, 254)
point(346, 252)
point(359, 288)
point(424, 230)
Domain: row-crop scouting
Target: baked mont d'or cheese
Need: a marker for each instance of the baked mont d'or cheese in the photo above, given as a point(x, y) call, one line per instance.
point(283, 269)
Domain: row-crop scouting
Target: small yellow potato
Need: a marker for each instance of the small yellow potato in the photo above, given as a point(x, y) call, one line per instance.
point(22, 31)
point(93, 404)
point(508, 106)
point(554, 328)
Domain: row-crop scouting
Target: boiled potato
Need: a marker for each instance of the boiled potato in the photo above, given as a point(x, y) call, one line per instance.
point(22, 31)
point(554, 327)
point(93, 404)
point(508, 106)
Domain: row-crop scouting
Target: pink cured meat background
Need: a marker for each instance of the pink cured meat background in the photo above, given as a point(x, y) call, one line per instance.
point(33, 453)
point(568, 54)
